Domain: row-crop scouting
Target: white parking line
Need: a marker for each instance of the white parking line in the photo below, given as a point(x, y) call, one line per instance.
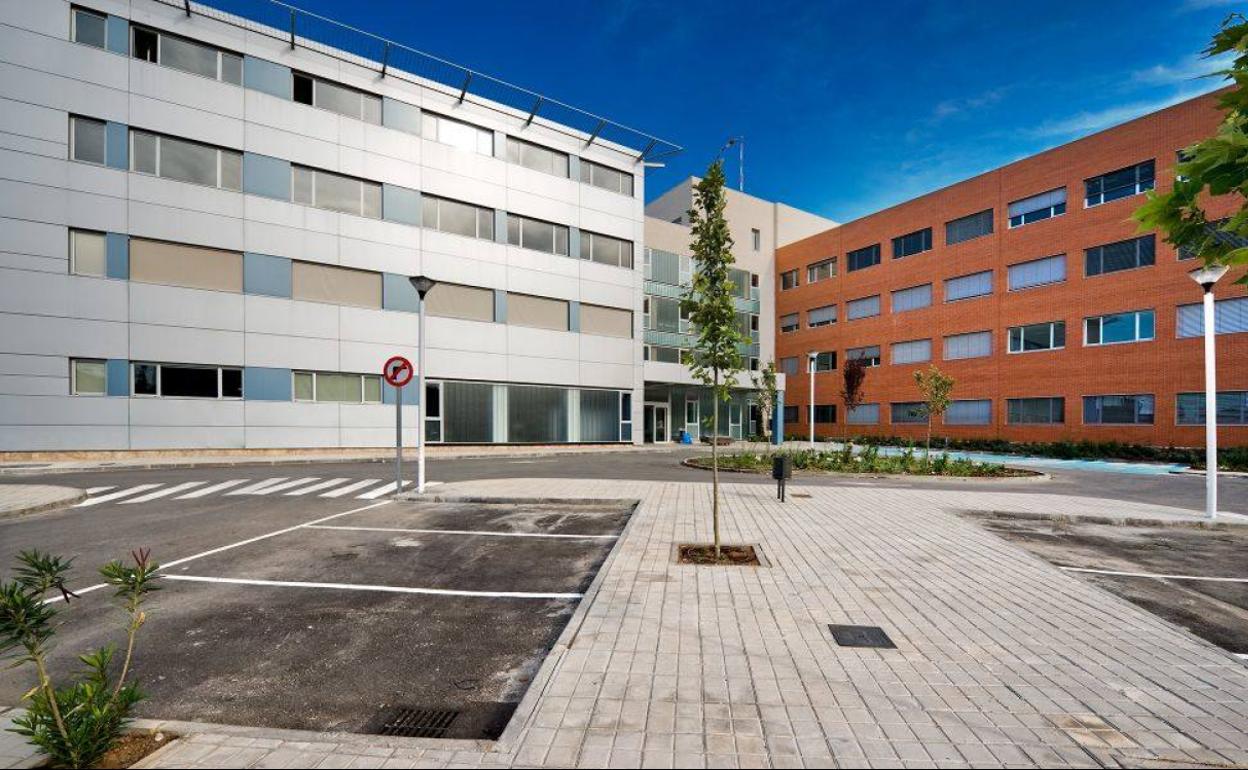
point(485, 532)
point(116, 495)
point(214, 488)
point(315, 487)
point(1153, 576)
point(163, 492)
point(247, 490)
point(383, 589)
point(381, 490)
point(348, 489)
point(239, 544)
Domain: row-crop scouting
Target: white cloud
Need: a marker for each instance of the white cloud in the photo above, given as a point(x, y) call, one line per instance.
point(1194, 67)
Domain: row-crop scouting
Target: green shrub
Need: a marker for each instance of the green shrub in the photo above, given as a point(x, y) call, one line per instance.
point(869, 460)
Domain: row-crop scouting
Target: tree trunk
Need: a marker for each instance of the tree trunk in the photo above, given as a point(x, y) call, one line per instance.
point(715, 464)
point(928, 452)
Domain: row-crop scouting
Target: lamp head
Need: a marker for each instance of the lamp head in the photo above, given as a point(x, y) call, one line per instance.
point(1208, 275)
point(422, 284)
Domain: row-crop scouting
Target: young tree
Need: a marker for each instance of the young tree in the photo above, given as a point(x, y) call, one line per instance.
point(716, 355)
point(1217, 166)
point(936, 388)
point(854, 373)
point(765, 387)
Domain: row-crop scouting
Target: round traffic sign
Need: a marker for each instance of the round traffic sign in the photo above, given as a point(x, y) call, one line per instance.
point(398, 371)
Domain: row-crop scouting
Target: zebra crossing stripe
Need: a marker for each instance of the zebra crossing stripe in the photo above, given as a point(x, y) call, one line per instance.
point(315, 487)
point(164, 492)
point(379, 491)
point(285, 485)
point(247, 490)
point(214, 488)
point(348, 489)
point(97, 490)
point(116, 495)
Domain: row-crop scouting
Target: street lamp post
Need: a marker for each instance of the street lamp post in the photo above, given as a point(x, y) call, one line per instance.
point(1207, 276)
point(422, 285)
point(813, 357)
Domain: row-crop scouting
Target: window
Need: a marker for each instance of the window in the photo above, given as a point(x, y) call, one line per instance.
point(337, 388)
point(864, 414)
point(667, 267)
point(537, 414)
point(335, 192)
point(968, 227)
point(606, 177)
point(666, 315)
point(790, 414)
point(912, 243)
point(433, 411)
point(186, 381)
point(788, 280)
point(336, 97)
point(186, 55)
point(1036, 337)
point(756, 236)
point(87, 140)
point(464, 136)
point(87, 253)
point(606, 250)
point(87, 377)
point(913, 298)
point(664, 355)
point(1122, 183)
point(866, 307)
point(1230, 316)
point(1037, 272)
point(536, 157)
point(908, 412)
point(1118, 410)
point(1214, 234)
point(968, 345)
point(448, 216)
point(1119, 328)
point(969, 412)
point(537, 235)
point(1232, 408)
point(450, 300)
point(968, 286)
point(315, 282)
point(821, 316)
point(1046, 205)
point(88, 27)
point(912, 352)
point(825, 413)
point(790, 322)
point(789, 366)
point(818, 271)
point(175, 264)
point(1122, 255)
point(825, 361)
point(741, 282)
point(607, 321)
point(468, 412)
point(870, 355)
point(184, 161)
point(862, 258)
point(1035, 411)
point(537, 312)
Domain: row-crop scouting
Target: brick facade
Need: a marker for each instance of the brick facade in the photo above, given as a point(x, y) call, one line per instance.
point(1162, 367)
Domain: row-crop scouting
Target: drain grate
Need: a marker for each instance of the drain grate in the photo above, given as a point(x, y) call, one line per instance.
point(800, 494)
point(861, 636)
point(415, 723)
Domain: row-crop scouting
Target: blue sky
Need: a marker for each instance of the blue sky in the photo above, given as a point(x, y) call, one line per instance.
point(846, 107)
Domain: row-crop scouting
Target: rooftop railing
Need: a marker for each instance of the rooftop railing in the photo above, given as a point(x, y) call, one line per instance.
point(300, 28)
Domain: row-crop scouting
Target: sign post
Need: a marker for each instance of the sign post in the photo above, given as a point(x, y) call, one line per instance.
point(398, 372)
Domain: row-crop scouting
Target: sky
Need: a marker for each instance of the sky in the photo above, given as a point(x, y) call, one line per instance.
point(846, 107)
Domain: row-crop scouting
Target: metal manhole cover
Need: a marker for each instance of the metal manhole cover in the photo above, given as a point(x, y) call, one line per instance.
point(861, 636)
point(800, 494)
point(415, 723)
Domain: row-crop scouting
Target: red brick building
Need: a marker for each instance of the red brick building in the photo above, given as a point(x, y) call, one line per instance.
point(1034, 289)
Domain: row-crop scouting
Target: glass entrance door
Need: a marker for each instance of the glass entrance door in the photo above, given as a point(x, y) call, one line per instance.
point(660, 424)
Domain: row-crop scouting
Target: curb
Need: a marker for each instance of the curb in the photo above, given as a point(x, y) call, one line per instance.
point(1116, 521)
point(73, 497)
point(1031, 477)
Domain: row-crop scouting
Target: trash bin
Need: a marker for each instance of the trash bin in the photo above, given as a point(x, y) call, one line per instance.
point(781, 467)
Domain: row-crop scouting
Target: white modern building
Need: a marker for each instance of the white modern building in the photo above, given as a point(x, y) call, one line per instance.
point(208, 222)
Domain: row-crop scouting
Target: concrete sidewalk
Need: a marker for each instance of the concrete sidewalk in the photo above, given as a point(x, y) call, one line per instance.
point(21, 499)
point(1001, 659)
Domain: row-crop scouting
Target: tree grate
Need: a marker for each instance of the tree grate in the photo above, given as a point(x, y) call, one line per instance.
point(415, 723)
point(861, 636)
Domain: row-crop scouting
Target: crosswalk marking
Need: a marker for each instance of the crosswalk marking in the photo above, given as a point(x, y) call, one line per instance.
point(97, 490)
point(164, 492)
point(315, 487)
point(285, 485)
point(348, 489)
point(116, 495)
point(379, 491)
point(247, 490)
point(214, 488)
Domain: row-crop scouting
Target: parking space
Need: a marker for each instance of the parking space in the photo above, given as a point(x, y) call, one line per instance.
point(334, 622)
point(1194, 577)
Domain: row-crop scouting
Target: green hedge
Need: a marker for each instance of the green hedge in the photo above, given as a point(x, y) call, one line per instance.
point(869, 460)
